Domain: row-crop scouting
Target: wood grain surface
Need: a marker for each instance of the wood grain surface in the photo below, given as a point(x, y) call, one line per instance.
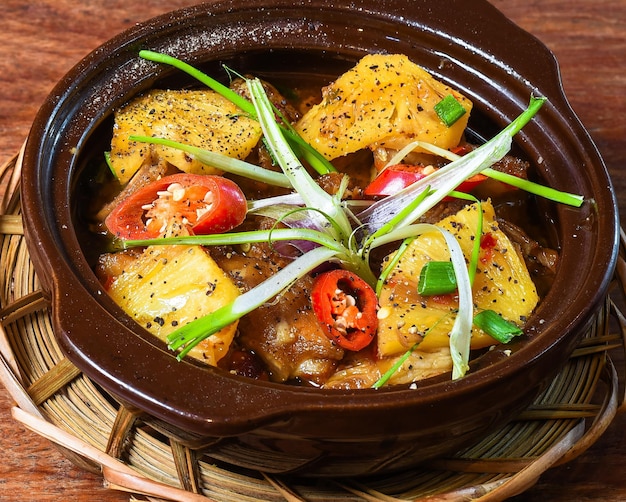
point(42, 39)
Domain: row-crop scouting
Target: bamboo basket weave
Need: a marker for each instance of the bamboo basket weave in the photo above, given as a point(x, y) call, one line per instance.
point(54, 399)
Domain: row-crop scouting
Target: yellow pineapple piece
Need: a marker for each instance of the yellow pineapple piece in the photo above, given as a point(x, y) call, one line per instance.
point(203, 119)
point(502, 284)
point(169, 286)
point(385, 101)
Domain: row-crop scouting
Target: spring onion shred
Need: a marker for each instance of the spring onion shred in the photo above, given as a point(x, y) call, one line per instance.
point(462, 328)
point(460, 335)
point(473, 264)
point(395, 258)
point(444, 180)
point(317, 161)
point(436, 278)
point(546, 192)
point(107, 160)
point(221, 161)
point(496, 326)
point(189, 335)
point(313, 194)
point(449, 110)
point(237, 238)
point(388, 220)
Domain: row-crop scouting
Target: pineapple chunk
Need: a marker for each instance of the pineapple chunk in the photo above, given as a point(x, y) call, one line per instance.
point(385, 101)
point(203, 119)
point(502, 284)
point(169, 286)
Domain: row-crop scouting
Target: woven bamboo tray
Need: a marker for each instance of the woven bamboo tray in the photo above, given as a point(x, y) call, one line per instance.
point(54, 399)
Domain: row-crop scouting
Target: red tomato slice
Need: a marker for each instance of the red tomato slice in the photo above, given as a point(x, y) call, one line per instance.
point(206, 204)
point(346, 307)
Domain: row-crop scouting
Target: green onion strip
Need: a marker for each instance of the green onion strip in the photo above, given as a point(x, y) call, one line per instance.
point(460, 335)
point(393, 261)
point(251, 237)
point(222, 162)
point(478, 234)
point(402, 359)
point(446, 179)
point(317, 161)
point(546, 192)
point(191, 334)
point(313, 194)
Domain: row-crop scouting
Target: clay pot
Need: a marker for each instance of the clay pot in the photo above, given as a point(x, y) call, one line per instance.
point(280, 428)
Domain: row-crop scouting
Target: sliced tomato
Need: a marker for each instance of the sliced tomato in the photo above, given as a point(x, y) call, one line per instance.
point(395, 178)
point(345, 306)
point(205, 204)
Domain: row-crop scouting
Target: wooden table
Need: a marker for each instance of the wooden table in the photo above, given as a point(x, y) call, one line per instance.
point(42, 39)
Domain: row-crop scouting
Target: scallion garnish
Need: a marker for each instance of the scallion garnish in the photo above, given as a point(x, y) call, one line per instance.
point(546, 192)
point(496, 326)
point(401, 360)
point(315, 159)
point(395, 367)
point(477, 236)
point(449, 110)
point(107, 160)
point(312, 193)
point(436, 278)
point(393, 261)
point(191, 334)
point(442, 181)
point(221, 161)
point(251, 237)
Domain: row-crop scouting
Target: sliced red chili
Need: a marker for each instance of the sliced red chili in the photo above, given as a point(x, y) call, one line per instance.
point(204, 203)
point(461, 149)
point(394, 178)
point(346, 307)
point(469, 184)
point(487, 245)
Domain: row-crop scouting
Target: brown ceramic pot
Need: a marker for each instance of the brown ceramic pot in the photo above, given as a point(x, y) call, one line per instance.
point(266, 426)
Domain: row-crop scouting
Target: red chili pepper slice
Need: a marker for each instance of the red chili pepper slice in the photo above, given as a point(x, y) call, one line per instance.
point(394, 178)
point(346, 307)
point(469, 184)
point(205, 203)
